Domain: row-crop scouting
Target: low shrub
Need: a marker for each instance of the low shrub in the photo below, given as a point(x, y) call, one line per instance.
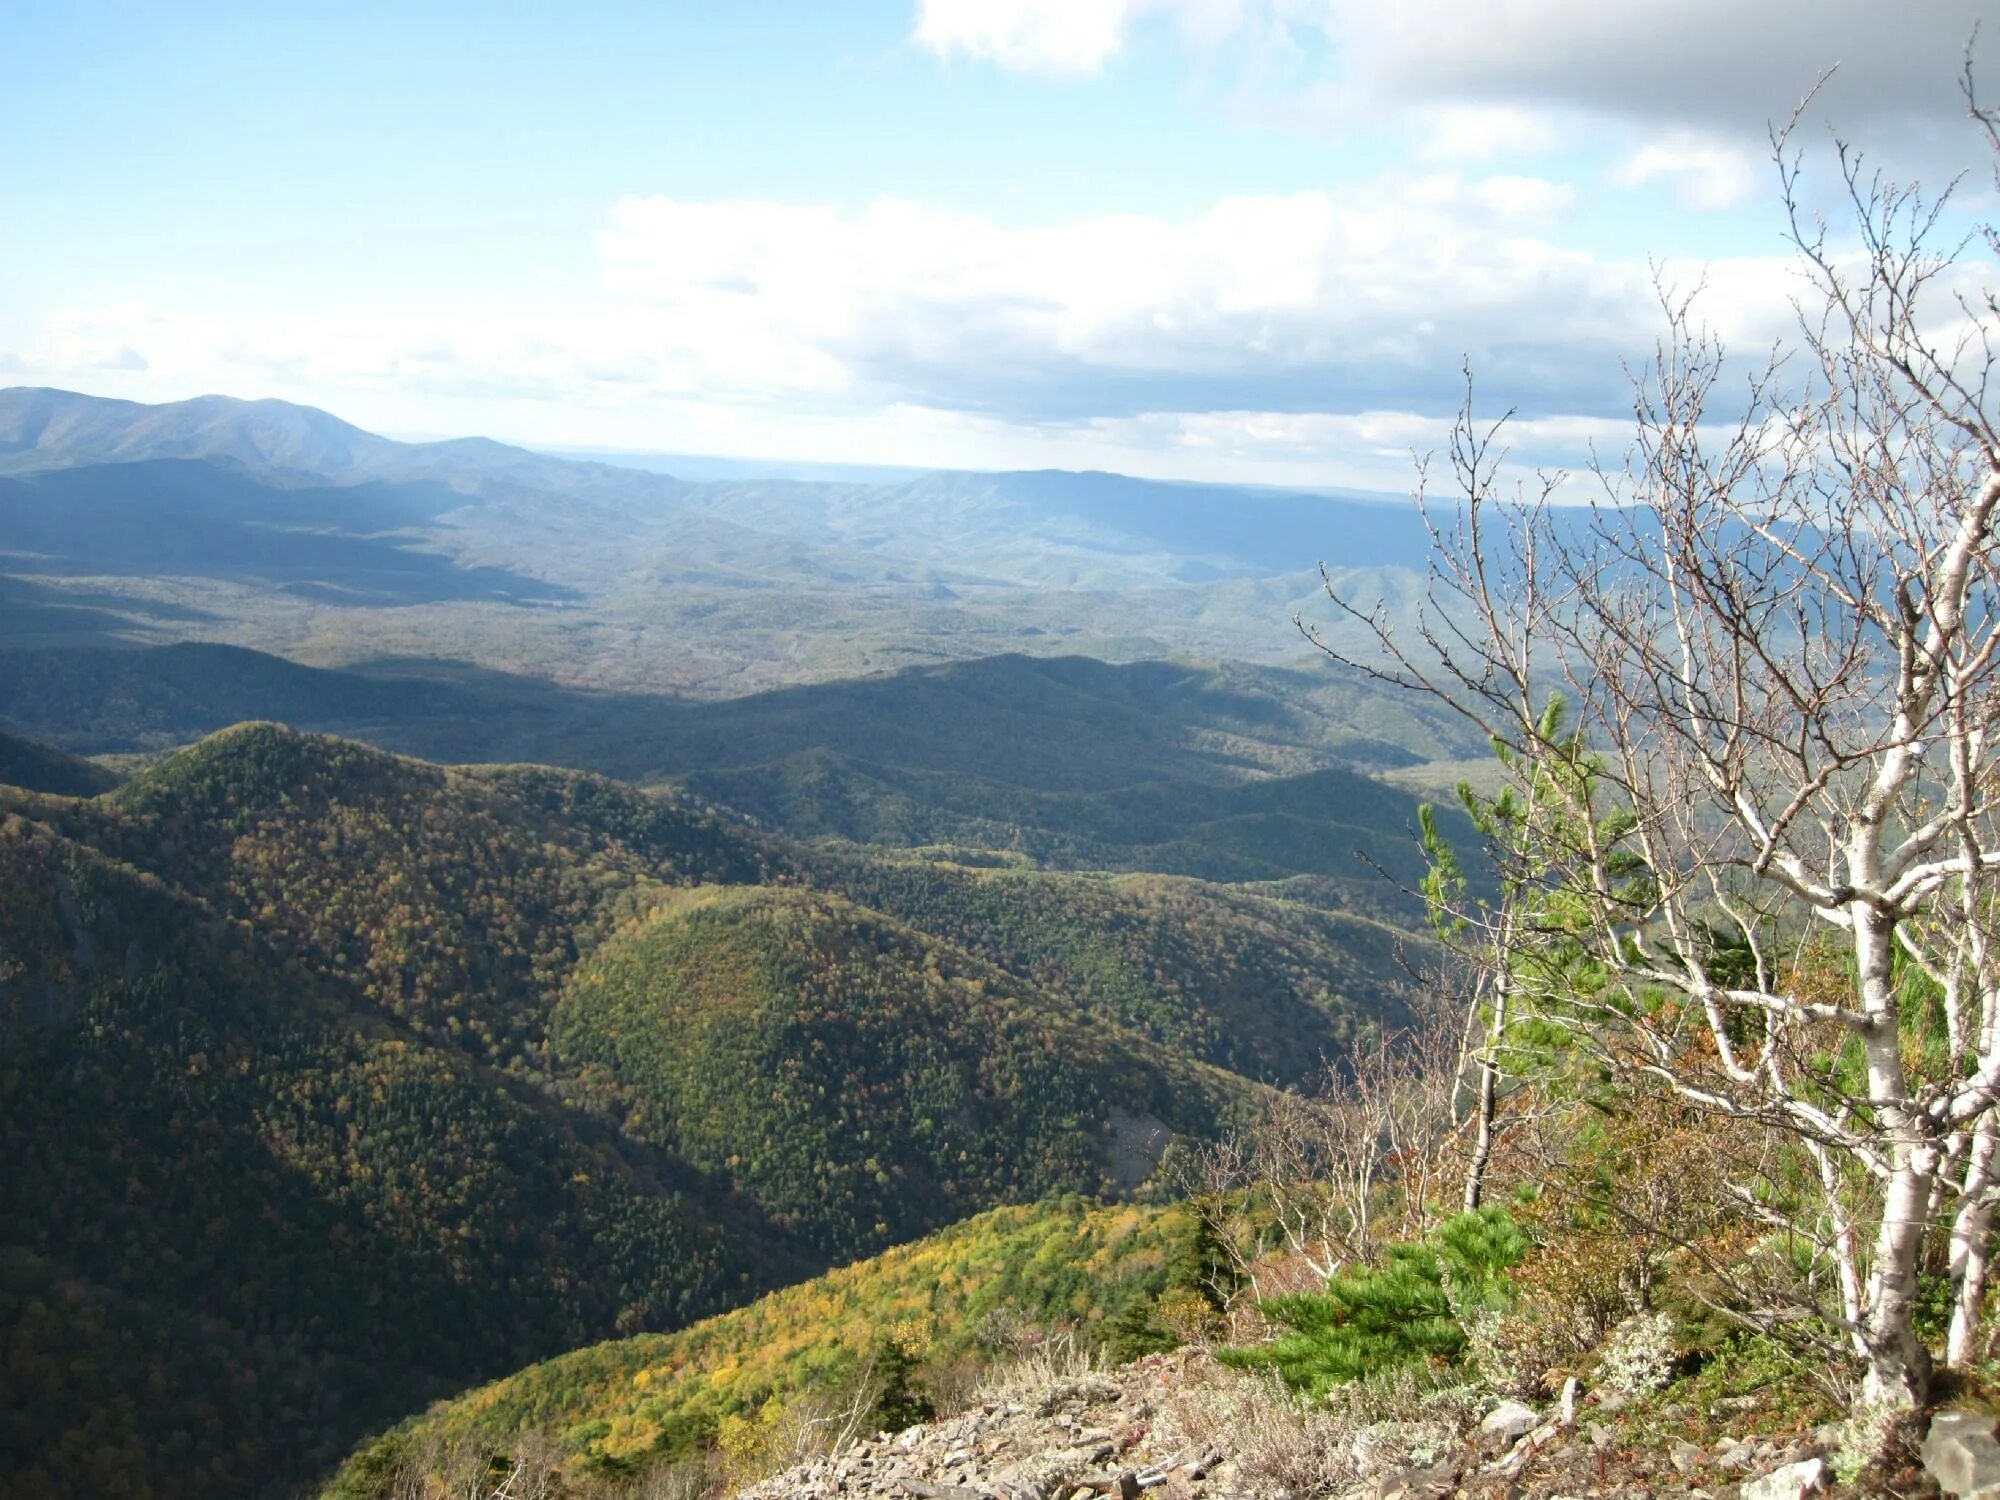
point(1408, 1308)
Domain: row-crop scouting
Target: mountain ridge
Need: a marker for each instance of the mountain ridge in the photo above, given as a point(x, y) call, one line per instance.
point(1219, 770)
point(100, 699)
point(37, 767)
point(620, 576)
point(42, 426)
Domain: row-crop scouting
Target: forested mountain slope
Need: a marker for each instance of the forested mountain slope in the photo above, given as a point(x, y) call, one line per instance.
point(624, 1407)
point(495, 1061)
point(1219, 770)
point(862, 1081)
point(246, 1214)
point(37, 767)
point(1261, 986)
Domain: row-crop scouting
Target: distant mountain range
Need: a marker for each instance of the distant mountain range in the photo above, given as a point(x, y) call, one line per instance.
point(265, 524)
point(42, 429)
point(1228, 772)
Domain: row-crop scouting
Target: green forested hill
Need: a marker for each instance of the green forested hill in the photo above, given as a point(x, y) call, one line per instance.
point(43, 768)
point(861, 1081)
point(454, 899)
point(343, 1080)
point(620, 1407)
point(246, 1215)
point(1262, 986)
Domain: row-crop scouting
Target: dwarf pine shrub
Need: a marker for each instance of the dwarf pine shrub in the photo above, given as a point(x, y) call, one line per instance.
point(1404, 1309)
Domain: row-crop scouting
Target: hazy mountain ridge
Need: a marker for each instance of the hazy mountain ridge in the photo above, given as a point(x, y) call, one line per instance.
point(1241, 526)
point(43, 429)
point(270, 525)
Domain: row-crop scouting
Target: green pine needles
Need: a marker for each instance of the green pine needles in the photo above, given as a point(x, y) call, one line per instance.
point(1402, 1310)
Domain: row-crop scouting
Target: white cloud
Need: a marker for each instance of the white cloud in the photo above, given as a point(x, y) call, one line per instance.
point(1380, 434)
point(96, 345)
point(1475, 133)
point(1075, 37)
point(1707, 174)
point(1534, 199)
point(1717, 61)
point(1384, 283)
point(1041, 36)
point(1362, 300)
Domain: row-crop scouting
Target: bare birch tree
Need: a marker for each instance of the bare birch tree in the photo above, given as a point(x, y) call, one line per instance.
point(1760, 831)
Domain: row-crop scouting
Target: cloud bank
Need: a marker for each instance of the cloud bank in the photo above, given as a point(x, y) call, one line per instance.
point(1367, 296)
point(1696, 84)
point(1720, 63)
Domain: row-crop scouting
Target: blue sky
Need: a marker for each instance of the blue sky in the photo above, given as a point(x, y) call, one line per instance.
point(1247, 239)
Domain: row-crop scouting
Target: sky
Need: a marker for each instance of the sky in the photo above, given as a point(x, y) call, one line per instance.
point(1248, 240)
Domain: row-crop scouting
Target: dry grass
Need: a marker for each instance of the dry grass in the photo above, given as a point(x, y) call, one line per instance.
point(1282, 1442)
point(1278, 1442)
point(1035, 1369)
point(689, 1479)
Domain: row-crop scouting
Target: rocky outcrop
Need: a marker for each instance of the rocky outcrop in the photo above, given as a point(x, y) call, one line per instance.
point(1179, 1427)
point(1085, 1434)
point(1809, 1476)
point(1962, 1454)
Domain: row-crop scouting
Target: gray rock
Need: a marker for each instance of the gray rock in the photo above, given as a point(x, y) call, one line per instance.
point(1409, 1484)
point(1510, 1419)
point(1961, 1453)
point(1685, 1455)
point(1376, 1445)
point(1734, 1454)
point(1792, 1482)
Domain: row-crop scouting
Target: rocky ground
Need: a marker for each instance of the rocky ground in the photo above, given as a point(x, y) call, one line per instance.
point(1179, 1426)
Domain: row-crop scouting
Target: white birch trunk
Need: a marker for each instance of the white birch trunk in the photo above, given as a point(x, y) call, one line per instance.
point(1972, 1246)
